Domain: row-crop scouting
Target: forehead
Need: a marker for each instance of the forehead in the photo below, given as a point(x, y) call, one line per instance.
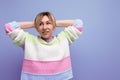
point(45, 18)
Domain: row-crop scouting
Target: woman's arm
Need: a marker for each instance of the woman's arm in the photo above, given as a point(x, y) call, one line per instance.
point(9, 27)
point(25, 25)
point(77, 23)
point(64, 23)
point(73, 30)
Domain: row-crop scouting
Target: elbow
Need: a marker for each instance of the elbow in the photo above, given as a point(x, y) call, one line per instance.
point(78, 24)
point(8, 28)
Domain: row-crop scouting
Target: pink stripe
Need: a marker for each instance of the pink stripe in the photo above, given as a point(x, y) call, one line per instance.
point(46, 67)
point(79, 28)
point(8, 28)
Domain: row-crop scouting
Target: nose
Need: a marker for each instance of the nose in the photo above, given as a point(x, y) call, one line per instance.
point(44, 26)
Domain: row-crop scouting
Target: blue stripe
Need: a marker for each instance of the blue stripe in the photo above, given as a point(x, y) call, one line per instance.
point(78, 22)
point(61, 76)
point(14, 24)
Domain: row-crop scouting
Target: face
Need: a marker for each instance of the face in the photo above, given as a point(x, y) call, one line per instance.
point(45, 28)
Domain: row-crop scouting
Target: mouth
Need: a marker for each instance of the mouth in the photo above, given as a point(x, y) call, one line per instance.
point(45, 32)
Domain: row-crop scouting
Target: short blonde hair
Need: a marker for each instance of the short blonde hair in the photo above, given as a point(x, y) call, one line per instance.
point(41, 15)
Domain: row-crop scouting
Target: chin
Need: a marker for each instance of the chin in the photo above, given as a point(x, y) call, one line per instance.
point(45, 37)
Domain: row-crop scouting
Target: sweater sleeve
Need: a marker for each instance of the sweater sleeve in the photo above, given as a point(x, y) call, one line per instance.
point(73, 32)
point(78, 24)
point(15, 33)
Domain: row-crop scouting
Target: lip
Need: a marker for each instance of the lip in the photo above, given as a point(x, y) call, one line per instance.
point(45, 32)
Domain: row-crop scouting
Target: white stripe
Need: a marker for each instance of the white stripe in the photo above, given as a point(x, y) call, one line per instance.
point(47, 53)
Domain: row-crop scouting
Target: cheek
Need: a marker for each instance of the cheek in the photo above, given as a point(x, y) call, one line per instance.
point(39, 30)
point(51, 28)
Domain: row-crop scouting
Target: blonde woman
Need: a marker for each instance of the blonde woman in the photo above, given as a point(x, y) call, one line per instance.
point(46, 57)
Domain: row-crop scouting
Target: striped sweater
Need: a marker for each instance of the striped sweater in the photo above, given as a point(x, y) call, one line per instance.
point(45, 60)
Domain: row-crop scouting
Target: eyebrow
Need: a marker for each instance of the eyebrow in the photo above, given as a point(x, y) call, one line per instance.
point(46, 21)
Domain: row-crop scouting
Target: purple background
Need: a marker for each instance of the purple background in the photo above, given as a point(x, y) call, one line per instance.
point(95, 55)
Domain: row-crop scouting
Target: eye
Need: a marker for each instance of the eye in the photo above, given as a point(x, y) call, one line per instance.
point(48, 23)
point(40, 24)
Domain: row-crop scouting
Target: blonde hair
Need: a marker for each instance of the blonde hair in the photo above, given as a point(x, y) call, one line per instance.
point(41, 15)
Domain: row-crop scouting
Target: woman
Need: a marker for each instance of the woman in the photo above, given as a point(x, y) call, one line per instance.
point(46, 57)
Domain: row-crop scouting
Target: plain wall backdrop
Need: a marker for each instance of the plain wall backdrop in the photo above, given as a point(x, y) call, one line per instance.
point(95, 55)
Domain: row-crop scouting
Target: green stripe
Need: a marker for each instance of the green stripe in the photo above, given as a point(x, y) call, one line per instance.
point(69, 36)
point(34, 39)
point(20, 42)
